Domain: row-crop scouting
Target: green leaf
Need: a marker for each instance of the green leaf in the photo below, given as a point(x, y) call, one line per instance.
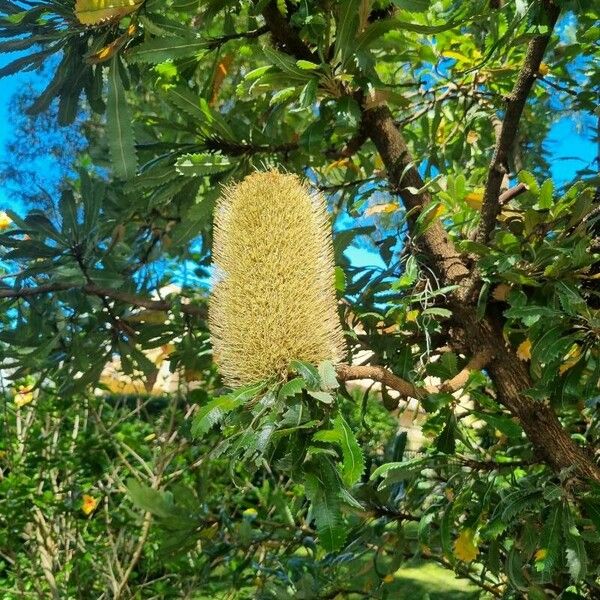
point(121, 143)
point(545, 200)
point(149, 500)
point(398, 471)
point(205, 163)
point(328, 376)
point(576, 554)
point(216, 410)
point(307, 372)
point(502, 423)
point(324, 397)
point(353, 464)
point(322, 487)
point(550, 540)
point(347, 26)
point(286, 64)
point(446, 441)
point(591, 508)
point(291, 387)
point(159, 50)
point(413, 5)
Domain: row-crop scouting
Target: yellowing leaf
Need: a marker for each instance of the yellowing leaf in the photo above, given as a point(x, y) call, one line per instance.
point(95, 12)
point(475, 199)
point(88, 504)
point(456, 56)
point(5, 221)
point(501, 291)
point(411, 315)
point(465, 548)
point(23, 397)
point(390, 207)
point(472, 137)
point(342, 163)
point(571, 359)
point(524, 350)
point(544, 69)
point(541, 554)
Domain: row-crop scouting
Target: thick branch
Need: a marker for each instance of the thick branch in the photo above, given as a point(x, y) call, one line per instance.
point(94, 290)
point(382, 375)
point(285, 37)
point(402, 175)
point(515, 103)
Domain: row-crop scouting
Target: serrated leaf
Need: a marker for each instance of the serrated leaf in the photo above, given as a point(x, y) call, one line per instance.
point(550, 541)
point(328, 376)
point(307, 372)
point(206, 163)
point(95, 12)
point(216, 410)
point(286, 64)
point(121, 143)
point(353, 463)
point(346, 29)
point(291, 388)
point(158, 50)
point(324, 397)
point(149, 500)
point(322, 488)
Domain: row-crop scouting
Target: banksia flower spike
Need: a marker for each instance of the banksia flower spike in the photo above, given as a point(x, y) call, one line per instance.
point(273, 296)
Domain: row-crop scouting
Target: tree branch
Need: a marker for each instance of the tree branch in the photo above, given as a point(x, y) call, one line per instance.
point(515, 103)
point(94, 290)
point(285, 37)
point(405, 388)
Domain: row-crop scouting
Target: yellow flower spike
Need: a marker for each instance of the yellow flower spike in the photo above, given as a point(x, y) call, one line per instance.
point(88, 504)
point(273, 296)
point(5, 221)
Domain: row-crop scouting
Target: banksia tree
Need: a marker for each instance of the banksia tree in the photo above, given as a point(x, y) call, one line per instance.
point(273, 297)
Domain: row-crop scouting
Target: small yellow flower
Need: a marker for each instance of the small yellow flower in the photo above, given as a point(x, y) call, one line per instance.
point(5, 221)
point(23, 396)
point(389, 578)
point(544, 69)
point(250, 513)
point(88, 504)
point(524, 350)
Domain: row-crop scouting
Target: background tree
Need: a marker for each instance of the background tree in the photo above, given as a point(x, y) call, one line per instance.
point(424, 125)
